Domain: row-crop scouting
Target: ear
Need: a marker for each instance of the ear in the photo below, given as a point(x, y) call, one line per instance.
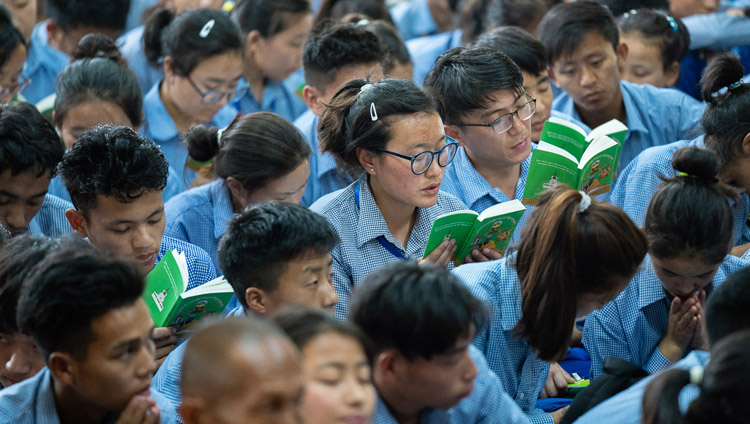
point(252, 42)
point(54, 33)
point(63, 367)
point(257, 300)
point(236, 191)
point(454, 132)
point(551, 75)
point(312, 97)
point(622, 55)
point(387, 364)
point(746, 144)
point(168, 66)
point(77, 222)
point(192, 409)
point(366, 159)
point(672, 74)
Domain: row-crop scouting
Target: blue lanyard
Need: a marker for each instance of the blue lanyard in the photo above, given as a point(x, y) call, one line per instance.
point(393, 250)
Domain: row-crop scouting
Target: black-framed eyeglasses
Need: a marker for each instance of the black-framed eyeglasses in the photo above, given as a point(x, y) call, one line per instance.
point(422, 161)
point(505, 122)
point(15, 87)
point(211, 97)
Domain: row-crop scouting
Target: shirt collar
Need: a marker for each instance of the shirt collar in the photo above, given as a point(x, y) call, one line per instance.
point(632, 109)
point(474, 186)
point(222, 204)
point(156, 113)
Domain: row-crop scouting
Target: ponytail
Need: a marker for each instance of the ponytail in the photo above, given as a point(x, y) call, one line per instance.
point(152, 35)
point(661, 399)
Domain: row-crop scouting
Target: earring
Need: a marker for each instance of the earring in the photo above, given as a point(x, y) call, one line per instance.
point(372, 169)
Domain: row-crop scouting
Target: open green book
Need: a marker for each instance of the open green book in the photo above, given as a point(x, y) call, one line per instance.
point(491, 229)
point(169, 302)
point(566, 155)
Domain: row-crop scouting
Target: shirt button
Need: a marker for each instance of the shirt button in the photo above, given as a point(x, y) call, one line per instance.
point(521, 396)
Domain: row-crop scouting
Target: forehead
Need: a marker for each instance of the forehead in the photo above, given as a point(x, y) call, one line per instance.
point(593, 43)
point(416, 129)
point(332, 347)
point(298, 268)
point(120, 324)
point(226, 66)
point(26, 183)
point(110, 209)
point(90, 114)
point(295, 25)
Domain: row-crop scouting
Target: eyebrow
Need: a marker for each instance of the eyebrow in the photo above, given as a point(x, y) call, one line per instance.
point(9, 194)
point(221, 80)
point(425, 145)
point(502, 109)
point(125, 221)
point(292, 192)
point(316, 269)
point(681, 275)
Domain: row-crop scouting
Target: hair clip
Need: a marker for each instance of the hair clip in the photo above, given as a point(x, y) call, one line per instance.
point(373, 112)
point(366, 87)
point(207, 28)
point(696, 375)
point(362, 22)
point(736, 84)
point(585, 202)
point(672, 23)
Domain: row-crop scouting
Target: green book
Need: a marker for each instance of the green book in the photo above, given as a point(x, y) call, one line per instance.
point(169, 302)
point(566, 155)
point(492, 229)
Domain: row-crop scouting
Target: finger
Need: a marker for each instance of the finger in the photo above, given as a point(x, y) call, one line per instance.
point(445, 257)
point(432, 257)
point(136, 408)
point(562, 378)
point(492, 254)
point(162, 332)
point(162, 352)
point(154, 415)
point(165, 342)
point(551, 389)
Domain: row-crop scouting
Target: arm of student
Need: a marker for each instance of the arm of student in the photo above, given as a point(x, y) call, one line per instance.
point(604, 336)
point(342, 283)
point(735, 31)
point(140, 410)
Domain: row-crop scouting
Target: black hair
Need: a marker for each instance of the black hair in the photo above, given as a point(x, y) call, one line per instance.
point(111, 160)
point(338, 9)
point(438, 308)
point(566, 25)
point(268, 17)
point(479, 16)
point(467, 79)
point(30, 143)
point(255, 150)
point(10, 36)
point(690, 200)
point(346, 123)
point(68, 290)
point(722, 386)
point(725, 120)
point(302, 325)
point(619, 7)
point(98, 72)
point(180, 38)
point(72, 14)
point(333, 46)
point(656, 27)
point(260, 242)
point(726, 308)
point(520, 46)
point(19, 256)
point(394, 49)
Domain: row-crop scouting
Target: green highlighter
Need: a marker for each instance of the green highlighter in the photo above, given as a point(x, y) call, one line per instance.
point(577, 386)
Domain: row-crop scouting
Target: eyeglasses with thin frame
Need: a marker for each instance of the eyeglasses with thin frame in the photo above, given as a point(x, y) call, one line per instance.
point(211, 97)
point(422, 161)
point(505, 122)
point(16, 87)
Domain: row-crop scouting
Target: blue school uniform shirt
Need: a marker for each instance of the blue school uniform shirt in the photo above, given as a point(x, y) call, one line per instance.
point(159, 127)
point(424, 51)
point(413, 19)
point(704, 33)
point(32, 401)
point(487, 403)
point(636, 184)
point(354, 215)
point(132, 49)
point(50, 221)
point(626, 406)
point(655, 116)
point(632, 325)
point(522, 373)
point(42, 66)
point(325, 176)
point(200, 216)
point(279, 97)
point(200, 268)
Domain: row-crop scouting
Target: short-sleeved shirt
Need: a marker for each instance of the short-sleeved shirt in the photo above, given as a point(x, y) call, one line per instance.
point(425, 50)
point(42, 66)
point(487, 403)
point(32, 401)
point(50, 221)
point(655, 116)
point(413, 19)
point(132, 49)
point(279, 97)
point(325, 176)
point(200, 268)
point(523, 374)
point(366, 243)
point(632, 325)
point(200, 216)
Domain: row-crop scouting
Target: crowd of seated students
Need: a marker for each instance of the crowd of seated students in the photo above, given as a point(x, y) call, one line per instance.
point(303, 149)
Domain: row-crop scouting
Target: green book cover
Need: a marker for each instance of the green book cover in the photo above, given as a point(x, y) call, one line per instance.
point(565, 135)
point(492, 229)
point(550, 166)
point(597, 166)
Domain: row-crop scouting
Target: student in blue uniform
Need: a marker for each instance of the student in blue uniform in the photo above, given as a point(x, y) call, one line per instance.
point(201, 52)
point(274, 33)
point(333, 54)
point(419, 18)
point(260, 157)
point(115, 178)
point(389, 135)
point(659, 317)
point(13, 50)
point(575, 255)
point(585, 57)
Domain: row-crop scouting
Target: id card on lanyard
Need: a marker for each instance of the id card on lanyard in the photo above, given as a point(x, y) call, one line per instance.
point(393, 250)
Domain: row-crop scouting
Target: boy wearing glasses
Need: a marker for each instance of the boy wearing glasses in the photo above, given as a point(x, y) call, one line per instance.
point(486, 110)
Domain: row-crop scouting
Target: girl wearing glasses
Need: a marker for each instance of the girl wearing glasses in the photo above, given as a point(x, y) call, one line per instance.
point(201, 52)
point(390, 135)
point(12, 56)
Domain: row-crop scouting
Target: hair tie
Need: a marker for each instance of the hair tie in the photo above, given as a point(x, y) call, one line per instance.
point(696, 375)
point(585, 202)
point(673, 24)
point(227, 6)
point(207, 28)
point(686, 175)
point(736, 84)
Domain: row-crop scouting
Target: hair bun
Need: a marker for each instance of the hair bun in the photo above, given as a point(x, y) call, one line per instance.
point(721, 72)
point(203, 142)
point(697, 163)
point(97, 45)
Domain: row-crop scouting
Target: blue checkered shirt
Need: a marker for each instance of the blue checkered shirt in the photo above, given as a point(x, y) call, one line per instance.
point(279, 97)
point(360, 252)
point(413, 19)
point(50, 221)
point(637, 183)
point(487, 403)
point(632, 326)
point(200, 268)
point(200, 216)
point(655, 116)
point(522, 373)
point(325, 176)
point(42, 65)
point(32, 401)
point(626, 406)
point(131, 48)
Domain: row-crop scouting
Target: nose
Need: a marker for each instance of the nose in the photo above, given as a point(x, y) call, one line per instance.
point(587, 76)
point(14, 218)
point(471, 369)
point(147, 361)
point(518, 125)
point(19, 363)
point(142, 239)
point(330, 297)
point(356, 394)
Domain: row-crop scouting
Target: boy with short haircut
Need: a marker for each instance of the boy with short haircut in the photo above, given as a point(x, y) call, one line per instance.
point(95, 339)
point(273, 254)
point(333, 54)
point(585, 57)
point(54, 40)
point(115, 179)
point(29, 153)
point(428, 371)
point(235, 369)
